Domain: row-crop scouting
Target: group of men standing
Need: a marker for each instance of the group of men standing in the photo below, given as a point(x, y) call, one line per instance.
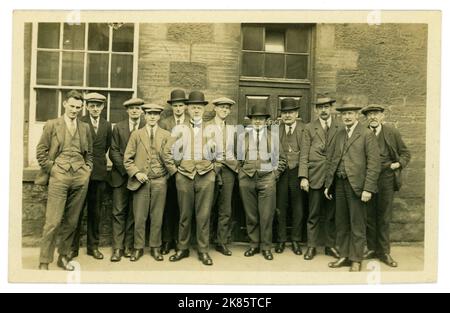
point(338, 176)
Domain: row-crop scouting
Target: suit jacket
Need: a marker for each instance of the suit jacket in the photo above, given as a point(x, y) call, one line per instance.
point(361, 155)
point(317, 151)
point(169, 122)
point(137, 157)
point(119, 141)
point(52, 142)
point(231, 163)
point(101, 141)
point(299, 129)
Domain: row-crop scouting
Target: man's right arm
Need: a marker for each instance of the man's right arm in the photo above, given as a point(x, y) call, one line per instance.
point(114, 152)
point(43, 148)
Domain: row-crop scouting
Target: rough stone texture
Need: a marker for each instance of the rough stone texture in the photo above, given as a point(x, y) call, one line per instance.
point(188, 75)
point(190, 32)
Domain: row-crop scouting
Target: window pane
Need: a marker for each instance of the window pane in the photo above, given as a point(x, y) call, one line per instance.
point(274, 65)
point(72, 68)
point(47, 68)
point(252, 64)
point(274, 40)
point(253, 38)
point(297, 66)
point(46, 104)
point(74, 36)
point(97, 67)
point(123, 38)
point(48, 35)
point(298, 40)
point(98, 37)
point(118, 112)
point(122, 71)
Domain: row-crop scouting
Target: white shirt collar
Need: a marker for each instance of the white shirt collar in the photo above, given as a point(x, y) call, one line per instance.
point(131, 123)
point(94, 121)
point(352, 129)
point(219, 121)
point(328, 121)
point(69, 121)
point(286, 127)
point(181, 119)
point(378, 129)
point(148, 129)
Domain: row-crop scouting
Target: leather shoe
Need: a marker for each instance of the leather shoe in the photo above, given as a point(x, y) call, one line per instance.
point(279, 248)
point(96, 254)
point(179, 255)
point(296, 248)
point(64, 263)
point(223, 249)
point(267, 254)
point(310, 254)
point(154, 252)
point(43, 266)
point(332, 252)
point(340, 263)
point(136, 255)
point(388, 260)
point(251, 252)
point(127, 252)
point(356, 267)
point(117, 255)
point(72, 254)
point(166, 246)
point(205, 258)
point(369, 255)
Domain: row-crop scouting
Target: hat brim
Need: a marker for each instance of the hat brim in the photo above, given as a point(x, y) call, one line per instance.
point(326, 102)
point(95, 101)
point(365, 111)
point(348, 109)
point(153, 110)
point(197, 102)
point(176, 100)
point(290, 109)
point(258, 115)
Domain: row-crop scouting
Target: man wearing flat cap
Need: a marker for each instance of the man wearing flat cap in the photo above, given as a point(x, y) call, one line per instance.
point(289, 194)
point(318, 143)
point(148, 180)
point(122, 211)
point(64, 154)
point(262, 162)
point(193, 156)
point(394, 156)
point(101, 140)
point(353, 179)
point(225, 138)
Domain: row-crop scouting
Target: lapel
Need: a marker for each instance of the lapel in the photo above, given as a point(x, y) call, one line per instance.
point(60, 130)
point(389, 139)
point(333, 130)
point(356, 134)
point(298, 130)
point(319, 130)
point(145, 139)
point(83, 135)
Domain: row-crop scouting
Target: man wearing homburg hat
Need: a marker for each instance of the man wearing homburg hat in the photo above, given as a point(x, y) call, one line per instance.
point(353, 175)
point(394, 157)
point(101, 140)
point(318, 143)
point(172, 212)
point(192, 154)
point(262, 163)
point(122, 211)
point(225, 138)
point(289, 194)
point(148, 180)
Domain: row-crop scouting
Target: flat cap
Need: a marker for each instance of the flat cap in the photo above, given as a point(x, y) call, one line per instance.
point(349, 107)
point(133, 101)
point(95, 97)
point(372, 108)
point(152, 107)
point(223, 100)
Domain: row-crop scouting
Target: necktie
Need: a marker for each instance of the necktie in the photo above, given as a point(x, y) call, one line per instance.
point(134, 125)
point(95, 124)
point(290, 131)
point(178, 122)
point(152, 137)
point(327, 127)
point(72, 127)
point(374, 131)
point(348, 131)
point(257, 140)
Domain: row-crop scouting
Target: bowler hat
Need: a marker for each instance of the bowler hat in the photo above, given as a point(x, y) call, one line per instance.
point(348, 107)
point(196, 97)
point(177, 95)
point(324, 100)
point(133, 101)
point(259, 109)
point(94, 97)
point(372, 108)
point(152, 107)
point(289, 104)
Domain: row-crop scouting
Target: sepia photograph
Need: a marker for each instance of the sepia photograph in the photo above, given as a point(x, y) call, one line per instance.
point(225, 147)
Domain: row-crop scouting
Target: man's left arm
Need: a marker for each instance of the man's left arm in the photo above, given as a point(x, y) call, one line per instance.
point(89, 151)
point(402, 150)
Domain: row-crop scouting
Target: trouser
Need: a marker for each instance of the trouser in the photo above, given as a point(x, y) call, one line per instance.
point(66, 195)
point(171, 213)
point(94, 199)
point(122, 218)
point(320, 207)
point(259, 199)
point(150, 198)
point(224, 197)
point(289, 195)
point(379, 215)
point(197, 196)
point(351, 217)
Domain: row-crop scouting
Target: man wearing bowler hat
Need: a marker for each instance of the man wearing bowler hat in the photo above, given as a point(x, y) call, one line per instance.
point(122, 211)
point(172, 212)
point(317, 149)
point(353, 175)
point(101, 140)
point(148, 180)
point(394, 156)
point(262, 162)
point(289, 194)
point(193, 156)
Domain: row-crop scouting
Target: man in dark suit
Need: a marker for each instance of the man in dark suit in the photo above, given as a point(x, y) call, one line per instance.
point(148, 180)
point(172, 212)
point(123, 220)
point(289, 194)
point(317, 149)
point(101, 137)
point(394, 156)
point(192, 154)
point(64, 154)
point(353, 172)
point(262, 162)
